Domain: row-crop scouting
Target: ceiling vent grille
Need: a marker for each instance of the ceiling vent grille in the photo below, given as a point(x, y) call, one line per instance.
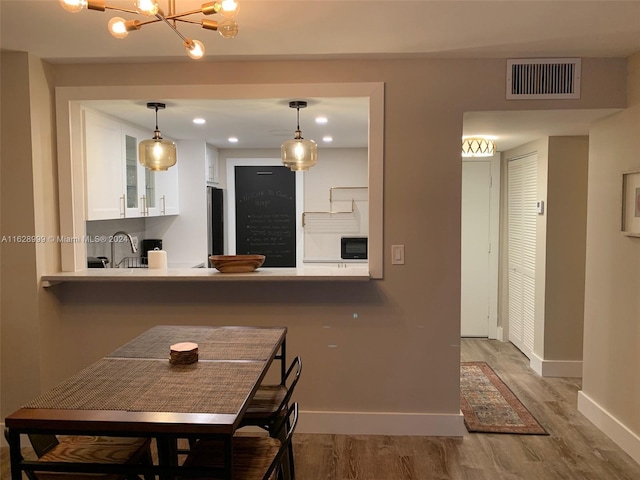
point(543, 78)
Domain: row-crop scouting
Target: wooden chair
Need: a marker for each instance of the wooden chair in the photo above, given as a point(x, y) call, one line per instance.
point(254, 458)
point(270, 402)
point(89, 449)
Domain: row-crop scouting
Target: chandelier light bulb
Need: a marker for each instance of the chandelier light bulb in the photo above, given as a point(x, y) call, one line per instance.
point(228, 28)
point(73, 6)
point(117, 27)
point(195, 49)
point(229, 8)
point(147, 7)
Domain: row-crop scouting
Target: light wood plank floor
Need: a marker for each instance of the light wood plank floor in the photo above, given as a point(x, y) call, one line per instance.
point(575, 449)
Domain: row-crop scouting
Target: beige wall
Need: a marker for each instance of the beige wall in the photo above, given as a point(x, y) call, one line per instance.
point(611, 385)
point(401, 354)
point(566, 212)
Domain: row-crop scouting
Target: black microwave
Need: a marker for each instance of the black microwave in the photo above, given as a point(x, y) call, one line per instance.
point(353, 248)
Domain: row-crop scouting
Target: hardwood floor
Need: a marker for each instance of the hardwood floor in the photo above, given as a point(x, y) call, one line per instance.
point(575, 449)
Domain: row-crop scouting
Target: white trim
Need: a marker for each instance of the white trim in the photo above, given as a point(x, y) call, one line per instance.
point(611, 426)
point(71, 181)
point(555, 368)
point(500, 334)
point(382, 423)
point(494, 254)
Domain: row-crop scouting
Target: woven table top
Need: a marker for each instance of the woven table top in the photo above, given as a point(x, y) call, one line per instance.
point(214, 343)
point(138, 385)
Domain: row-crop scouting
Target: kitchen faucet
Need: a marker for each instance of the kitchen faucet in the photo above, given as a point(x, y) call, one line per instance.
point(134, 249)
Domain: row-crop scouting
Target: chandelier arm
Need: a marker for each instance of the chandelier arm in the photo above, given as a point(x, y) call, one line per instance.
point(120, 9)
point(184, 20)
point(184, 39)
point(147, 22)
point(176, 16)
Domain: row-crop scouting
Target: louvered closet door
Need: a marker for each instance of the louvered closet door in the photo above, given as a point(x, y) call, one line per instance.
point(523, 175)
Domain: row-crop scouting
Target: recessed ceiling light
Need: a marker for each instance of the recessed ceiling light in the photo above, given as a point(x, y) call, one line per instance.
point(321, 120)
point(233, 139)
point(327, 138)
point(199, 121)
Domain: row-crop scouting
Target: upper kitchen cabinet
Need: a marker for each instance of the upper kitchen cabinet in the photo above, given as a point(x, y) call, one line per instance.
point(212, 165)
point(103, 151)
point(166, 188)
point(118, 186)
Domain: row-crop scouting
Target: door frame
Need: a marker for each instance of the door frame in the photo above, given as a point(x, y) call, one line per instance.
point(494, 239)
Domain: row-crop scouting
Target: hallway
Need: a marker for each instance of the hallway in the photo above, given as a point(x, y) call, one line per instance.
point(575, 449)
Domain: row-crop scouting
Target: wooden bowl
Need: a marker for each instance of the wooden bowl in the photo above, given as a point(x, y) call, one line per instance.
point(236, 263)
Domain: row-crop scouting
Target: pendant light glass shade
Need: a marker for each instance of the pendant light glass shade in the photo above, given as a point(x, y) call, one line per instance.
point(299, 154)
point(157, 153)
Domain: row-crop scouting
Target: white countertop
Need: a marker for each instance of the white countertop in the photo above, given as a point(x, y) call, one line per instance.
point(322, 273)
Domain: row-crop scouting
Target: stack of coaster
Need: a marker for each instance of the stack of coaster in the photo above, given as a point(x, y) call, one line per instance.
point(184, 353)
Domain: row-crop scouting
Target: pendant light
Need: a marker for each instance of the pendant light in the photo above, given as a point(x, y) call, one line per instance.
point(299, 154)
point(157, 153)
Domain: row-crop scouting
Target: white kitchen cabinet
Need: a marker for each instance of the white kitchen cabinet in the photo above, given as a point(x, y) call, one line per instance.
point(103, 151)
point(166, 187)
point(141, 192)
point(117, 185)
point(212, 165)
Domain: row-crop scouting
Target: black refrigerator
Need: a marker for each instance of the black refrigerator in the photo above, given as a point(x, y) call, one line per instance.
point(215, 222)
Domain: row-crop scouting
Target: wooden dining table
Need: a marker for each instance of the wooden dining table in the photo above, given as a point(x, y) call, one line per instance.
point(135, 391)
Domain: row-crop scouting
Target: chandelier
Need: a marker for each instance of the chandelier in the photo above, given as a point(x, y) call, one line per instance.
point(120, 28)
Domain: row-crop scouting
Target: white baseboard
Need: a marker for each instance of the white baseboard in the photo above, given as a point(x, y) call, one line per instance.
point(382, 423)
point(611, 426)
point(556, 368)
point(500, 335)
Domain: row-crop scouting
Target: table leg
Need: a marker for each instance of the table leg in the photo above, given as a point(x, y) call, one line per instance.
point(283, 361)
point(228, 457)
point(167, 454)
point(15, 455)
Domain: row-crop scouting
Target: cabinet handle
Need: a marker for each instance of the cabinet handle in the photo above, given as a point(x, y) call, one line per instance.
point(123, 208)
point(163, 199)
point(143, 205)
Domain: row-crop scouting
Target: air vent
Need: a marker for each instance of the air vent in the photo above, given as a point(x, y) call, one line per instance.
point(543, 78)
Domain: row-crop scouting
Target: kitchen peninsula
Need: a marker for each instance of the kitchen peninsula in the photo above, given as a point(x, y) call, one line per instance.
point(340, 272)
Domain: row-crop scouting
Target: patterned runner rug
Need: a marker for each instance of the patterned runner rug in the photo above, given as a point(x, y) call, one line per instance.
point(489, 406)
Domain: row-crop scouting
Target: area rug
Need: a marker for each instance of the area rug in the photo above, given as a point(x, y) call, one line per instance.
point(489, 406)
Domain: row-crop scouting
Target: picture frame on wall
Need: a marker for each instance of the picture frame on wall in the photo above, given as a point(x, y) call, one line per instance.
point(630, 225)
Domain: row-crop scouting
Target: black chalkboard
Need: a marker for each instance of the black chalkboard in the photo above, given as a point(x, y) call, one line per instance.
point(266, 214)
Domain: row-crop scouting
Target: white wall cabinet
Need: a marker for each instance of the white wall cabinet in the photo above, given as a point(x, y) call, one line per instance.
point(118, 186)
point(103, 151)
point(166, 188)
point(211, 163)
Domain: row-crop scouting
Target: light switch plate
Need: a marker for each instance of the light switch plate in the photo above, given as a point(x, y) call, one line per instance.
point(397, 254)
